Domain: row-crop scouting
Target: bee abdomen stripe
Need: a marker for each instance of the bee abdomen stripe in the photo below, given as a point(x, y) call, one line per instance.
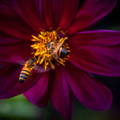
point(23, 77)
point(25, 71)
point(24, 74)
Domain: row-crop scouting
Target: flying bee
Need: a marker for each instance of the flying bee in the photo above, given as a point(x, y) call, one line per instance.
point(29, 65)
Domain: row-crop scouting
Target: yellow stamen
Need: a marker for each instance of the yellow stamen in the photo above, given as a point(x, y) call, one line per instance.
point(48, 47)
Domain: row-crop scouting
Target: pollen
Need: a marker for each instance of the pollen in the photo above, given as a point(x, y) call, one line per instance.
point(50, 49)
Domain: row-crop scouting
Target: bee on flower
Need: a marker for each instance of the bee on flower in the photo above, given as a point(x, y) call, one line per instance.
point(60, 52)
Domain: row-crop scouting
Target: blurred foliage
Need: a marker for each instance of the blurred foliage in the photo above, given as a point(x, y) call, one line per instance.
point(18, 108)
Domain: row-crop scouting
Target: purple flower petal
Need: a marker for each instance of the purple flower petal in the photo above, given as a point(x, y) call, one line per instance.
point(60, 96)
point(14, 53)
point(90, 13)
point(6, 8)
point(58, 13)
point(64, 12)
point(97, 52)
point(45, 12)
point(12, 25)
point(27, 10)
point(14, 28)
point(88, 90)
point(9, 84)
point(38, 93)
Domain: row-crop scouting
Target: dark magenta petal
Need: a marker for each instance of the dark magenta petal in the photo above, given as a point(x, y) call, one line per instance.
point(12, 25)
point(14, 28)
point(64, 12)
point(60, 96)
point(91, 12)
point(38, 93)
point(6, 8)
point(97, 52)
point(88, 90)
point(45, 12)
point(28, 11)
point(15, 53)
point(9, 84)
point(58, 13)
point(68, 12)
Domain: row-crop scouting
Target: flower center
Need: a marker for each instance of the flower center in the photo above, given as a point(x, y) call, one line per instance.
point(50, 49)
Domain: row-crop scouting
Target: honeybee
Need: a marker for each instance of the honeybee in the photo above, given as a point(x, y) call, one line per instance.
point(29, 65)
point(27, 69)
point(58, 51)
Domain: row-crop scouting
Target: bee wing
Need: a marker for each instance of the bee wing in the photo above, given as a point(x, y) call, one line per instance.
point(40, 69)
point(21, 62)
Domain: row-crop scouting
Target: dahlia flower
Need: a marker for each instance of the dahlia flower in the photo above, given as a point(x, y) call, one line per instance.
point(55, 35)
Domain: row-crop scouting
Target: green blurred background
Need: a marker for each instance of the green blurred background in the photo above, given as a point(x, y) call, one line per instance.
point(18, 108)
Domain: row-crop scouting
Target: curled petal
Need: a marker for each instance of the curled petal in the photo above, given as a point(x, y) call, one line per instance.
point(88, 90)
point(97, 52)
point(91, 12)
point(38, 93)
point(9, 84)
point(60, 95)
